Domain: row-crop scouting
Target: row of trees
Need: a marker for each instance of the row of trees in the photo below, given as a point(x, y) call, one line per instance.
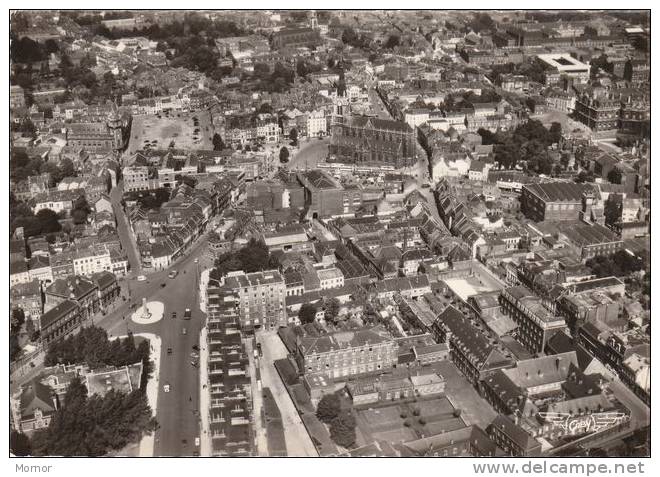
point(92, 346)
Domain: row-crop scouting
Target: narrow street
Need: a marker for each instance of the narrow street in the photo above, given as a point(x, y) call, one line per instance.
point(123, 229)
point(298, 442)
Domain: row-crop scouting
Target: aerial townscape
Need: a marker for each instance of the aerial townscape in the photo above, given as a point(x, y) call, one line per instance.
point(316, 233)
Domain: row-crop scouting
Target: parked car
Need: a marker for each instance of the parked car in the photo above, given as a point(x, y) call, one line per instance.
point(141, 278)
point(195, 348)
point(196, 441)
point(169, 350)
point(174, 315)
point(187, 314)
point(166, 388)
point(184, 331)
point(173, 274)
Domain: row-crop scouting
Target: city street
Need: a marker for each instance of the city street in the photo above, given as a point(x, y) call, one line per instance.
point(298, 442)
point(377, 104)
point(177, 410)
point(124, 231)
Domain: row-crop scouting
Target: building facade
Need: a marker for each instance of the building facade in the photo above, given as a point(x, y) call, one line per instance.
point(371, 140)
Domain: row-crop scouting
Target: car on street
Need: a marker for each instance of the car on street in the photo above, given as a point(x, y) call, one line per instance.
point(184, 331)
point(193, 364)
point(162, 285)
point(195, 453)
point(173, 274)
point(174, 315)
point(166, 388)
point(141, 278)
point(196, 441)
point(187, 314)
point(169, 350)
point(261, 353)
point(194, 355)
point(195, 348)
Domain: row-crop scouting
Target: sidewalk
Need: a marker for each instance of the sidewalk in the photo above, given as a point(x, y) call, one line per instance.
point(257, 402)
point(147, 442)
point(206, 445)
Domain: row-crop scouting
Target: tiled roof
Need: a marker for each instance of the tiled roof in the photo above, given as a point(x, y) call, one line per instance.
point(516, 433)
point(345, 340)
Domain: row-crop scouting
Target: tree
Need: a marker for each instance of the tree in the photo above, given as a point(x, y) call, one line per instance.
point(93, 425)
point(218, 143)
point(19, 444)
point(613, 209)
point(482, 21)
point(307, 313)
point(17, 319)
point(328, 408)
point(342, 429)
point(28, 129)
point(253, 257)
point(26, 50)
point(293, 136)
point(332, 307)
point(614, 176)
point(80, 210)
point(555, 132)
point(392, 42)
point(584, 176)
point(48, 221)
point(284, 155)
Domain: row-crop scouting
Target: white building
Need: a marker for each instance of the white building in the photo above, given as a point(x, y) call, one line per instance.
point(330, 278)
point(92, 260)
point(558, 65)
point(136, 178)
point(316, 124)
point(416, 117)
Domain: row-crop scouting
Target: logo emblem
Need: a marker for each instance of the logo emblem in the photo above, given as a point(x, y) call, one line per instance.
point(582, 424)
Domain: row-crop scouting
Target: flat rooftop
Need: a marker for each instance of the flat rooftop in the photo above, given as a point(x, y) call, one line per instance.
point(563, 62)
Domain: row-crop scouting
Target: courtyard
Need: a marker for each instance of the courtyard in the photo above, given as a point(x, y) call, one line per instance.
point(404, 421)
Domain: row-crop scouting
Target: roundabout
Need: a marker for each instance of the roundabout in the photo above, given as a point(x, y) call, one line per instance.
point(148, 313)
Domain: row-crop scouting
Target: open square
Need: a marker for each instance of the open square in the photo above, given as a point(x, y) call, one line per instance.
point(177, 129)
